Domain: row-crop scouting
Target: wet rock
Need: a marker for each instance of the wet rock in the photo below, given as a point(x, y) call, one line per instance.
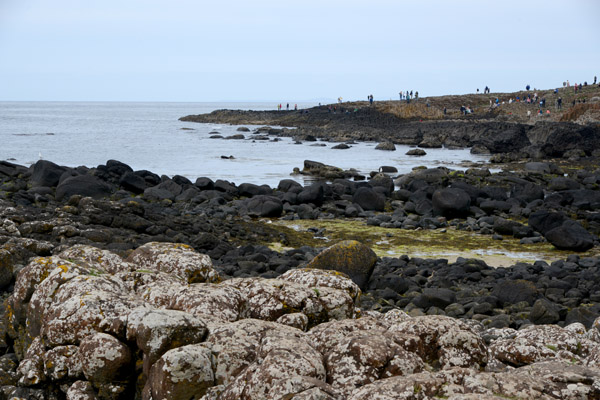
point(389, 146)
point(570, 236)
point(349, 257)
point(416, 152)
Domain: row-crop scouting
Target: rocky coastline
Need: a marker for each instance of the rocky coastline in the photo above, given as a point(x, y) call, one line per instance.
point(123, 284)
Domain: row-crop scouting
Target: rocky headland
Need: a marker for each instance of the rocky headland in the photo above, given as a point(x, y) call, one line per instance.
point(123, 284)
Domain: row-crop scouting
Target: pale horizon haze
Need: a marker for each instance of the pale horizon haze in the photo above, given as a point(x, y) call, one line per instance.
point(191, 51)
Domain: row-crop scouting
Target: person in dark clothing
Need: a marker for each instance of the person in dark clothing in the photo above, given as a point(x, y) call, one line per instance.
point(559, 103)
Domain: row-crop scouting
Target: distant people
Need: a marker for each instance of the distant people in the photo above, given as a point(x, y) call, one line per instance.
point(594, 79)
point(527, 87)
point(568, 84)
point(411, 93)
point(444, 110)
point(371, 99)
point(416, 95)
point(529, 114)
point(477, 90)
point(295, 107)
point(288, 106)
point(407, 98)
point(401, 94)
point(559, 103)
point(564, 84)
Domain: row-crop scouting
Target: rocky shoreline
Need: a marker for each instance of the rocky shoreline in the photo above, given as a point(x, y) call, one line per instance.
point(123, 284)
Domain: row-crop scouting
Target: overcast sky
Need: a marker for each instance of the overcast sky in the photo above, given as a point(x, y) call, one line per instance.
point(290, 51)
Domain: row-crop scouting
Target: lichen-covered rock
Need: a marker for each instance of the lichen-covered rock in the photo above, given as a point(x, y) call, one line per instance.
point(181, 374)
point(269, 299)
point(444, 341)
point(81, 390)
point(80, 307)
point(31, 368)
point(361, 358)
point(235, 345)
point(280, 356)
point(349, 257)
point(104, 359)
point(103, 261)
point(204, 299)
point(177, 259)
point(326, 336)
point(540, 343)
point(157, 331)
point(419, 386)
point(296, 320)
point(27, 281)
point(63, 362)
point(322, 278)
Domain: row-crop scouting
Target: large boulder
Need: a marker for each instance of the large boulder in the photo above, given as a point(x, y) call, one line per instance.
point(350, 257)
point(451, 202)
point(562, 232)
point(312, 194)
point(46, 173)
point(177, 259)
point(369, 199)
point(389, 146)
point(84, 185)
point(570, 236)
point(264, 206)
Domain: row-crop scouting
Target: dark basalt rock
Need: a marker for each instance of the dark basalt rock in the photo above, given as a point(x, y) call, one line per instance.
point(368, 199)
point(265, 206)
point(451, 202)
point(46, 173)
point(84, 185)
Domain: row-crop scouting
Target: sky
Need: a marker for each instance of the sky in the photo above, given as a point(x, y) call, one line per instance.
point(290, 51)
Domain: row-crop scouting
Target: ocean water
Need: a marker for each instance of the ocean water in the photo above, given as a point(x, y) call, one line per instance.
point(150, 136)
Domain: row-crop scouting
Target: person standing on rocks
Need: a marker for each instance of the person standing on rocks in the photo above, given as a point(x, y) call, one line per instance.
point(287, 107)
point(559, 103)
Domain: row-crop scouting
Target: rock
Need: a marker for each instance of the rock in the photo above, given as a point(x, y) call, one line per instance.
point(250, 190)
point(104, 359)
point(265, 206)
point(269, 299)
point(349, 257)
point(283, 362)
point(570, 236)
point(512, 292)
point(416, 152)
point(286, 185)
point(544, 312)
point(341, 146)
point(312, 194)
point(157, 331)
point(84, 185)
point(181, 374)
point(361, 358)
point(543, 220)
point(389, 146)
point(562, 183)
point(46, 173)
point(388, 169)
point(432, 297)
point(178, 259)
point(380, 180)
point(204, 183)
point(243, 129)
point(133, 183)
point(368, 199)
point(451, 202)
point(443, 341)
point(311, 277)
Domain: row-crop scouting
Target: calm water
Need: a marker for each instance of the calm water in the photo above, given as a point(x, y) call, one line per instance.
point(149, 136)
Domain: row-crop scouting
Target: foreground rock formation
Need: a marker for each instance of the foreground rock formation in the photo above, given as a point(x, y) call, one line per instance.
point(87, 324)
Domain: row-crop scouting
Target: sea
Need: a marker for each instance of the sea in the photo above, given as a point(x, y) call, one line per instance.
point(150, 136)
